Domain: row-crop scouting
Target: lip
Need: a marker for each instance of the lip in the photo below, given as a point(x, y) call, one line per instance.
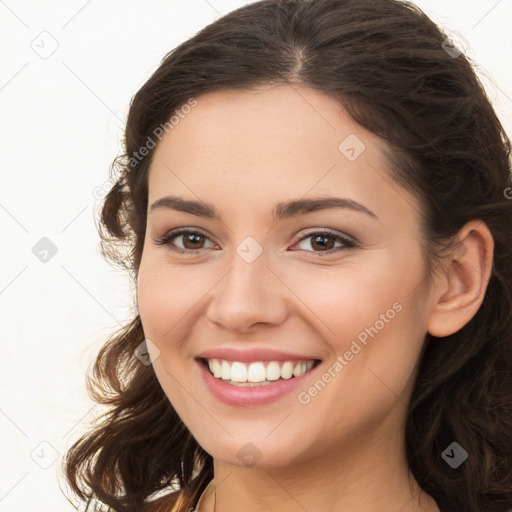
point(254, 354)
point(245, 396)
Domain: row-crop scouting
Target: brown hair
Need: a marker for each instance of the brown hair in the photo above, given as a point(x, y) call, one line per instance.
point(386, 64)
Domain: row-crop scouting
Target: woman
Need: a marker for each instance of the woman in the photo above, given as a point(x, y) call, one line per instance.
point(314, 199)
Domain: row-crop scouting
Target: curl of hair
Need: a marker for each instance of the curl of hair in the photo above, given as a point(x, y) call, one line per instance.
point(383, 61)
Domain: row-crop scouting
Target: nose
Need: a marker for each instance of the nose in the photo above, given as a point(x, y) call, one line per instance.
point(249, 293)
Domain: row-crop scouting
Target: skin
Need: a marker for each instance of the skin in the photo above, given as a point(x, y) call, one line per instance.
point(243, 152)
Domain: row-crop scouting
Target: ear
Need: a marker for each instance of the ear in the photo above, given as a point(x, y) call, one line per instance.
point(460, 286)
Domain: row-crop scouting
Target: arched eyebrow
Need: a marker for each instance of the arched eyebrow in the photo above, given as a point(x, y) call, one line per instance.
point(281, 211)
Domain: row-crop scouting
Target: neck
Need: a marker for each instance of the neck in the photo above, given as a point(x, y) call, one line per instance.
point(371, 475)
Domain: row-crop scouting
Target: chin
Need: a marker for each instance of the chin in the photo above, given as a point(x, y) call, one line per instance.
point(255, 453)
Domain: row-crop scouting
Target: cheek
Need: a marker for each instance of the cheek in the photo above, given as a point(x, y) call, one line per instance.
point(373, 328)
point(342, 302)
point(157, 307)
point(166, 298)
point(372, 315)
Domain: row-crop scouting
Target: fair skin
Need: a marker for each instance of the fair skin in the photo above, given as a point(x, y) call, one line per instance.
point(243, 152)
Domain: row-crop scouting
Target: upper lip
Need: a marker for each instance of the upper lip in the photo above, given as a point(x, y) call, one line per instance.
point(253, 354)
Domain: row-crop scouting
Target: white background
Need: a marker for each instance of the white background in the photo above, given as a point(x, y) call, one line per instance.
point(61, 121)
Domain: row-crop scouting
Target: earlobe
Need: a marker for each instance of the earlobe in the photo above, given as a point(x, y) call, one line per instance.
point(463, 281)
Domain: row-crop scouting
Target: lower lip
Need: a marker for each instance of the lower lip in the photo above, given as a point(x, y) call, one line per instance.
point(247, 396)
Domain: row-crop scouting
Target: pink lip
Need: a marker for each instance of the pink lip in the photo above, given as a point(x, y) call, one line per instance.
point(255, 354)
point(250, 396)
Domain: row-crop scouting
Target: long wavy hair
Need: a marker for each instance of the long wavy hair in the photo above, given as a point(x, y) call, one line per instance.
point(397, 75)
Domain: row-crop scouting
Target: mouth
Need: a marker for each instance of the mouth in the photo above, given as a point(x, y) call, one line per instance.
point(256, 373)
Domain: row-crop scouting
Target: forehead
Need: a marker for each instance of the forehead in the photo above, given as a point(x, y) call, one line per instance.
point(277, 118)
point(265, 143)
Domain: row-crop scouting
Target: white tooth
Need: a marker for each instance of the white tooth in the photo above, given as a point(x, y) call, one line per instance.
point(250, 384)
point(226, 370)
point(215, 367)
point(297, 370)
point(273, 371)
point(238, 372)
point(256, 372)
point(287, 370)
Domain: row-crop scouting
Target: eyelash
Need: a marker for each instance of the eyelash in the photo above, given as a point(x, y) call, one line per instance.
point(170, 236)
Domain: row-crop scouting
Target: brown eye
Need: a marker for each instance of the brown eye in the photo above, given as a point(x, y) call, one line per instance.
point(324, 242)
point(191, 241)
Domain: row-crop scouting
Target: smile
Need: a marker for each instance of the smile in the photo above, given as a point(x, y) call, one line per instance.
point(257, 373)
point(254, 383)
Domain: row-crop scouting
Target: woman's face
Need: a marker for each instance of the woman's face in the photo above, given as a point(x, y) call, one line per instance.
point(272, 277)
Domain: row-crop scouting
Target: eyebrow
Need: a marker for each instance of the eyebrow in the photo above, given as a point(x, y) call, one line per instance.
point(281, 211)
